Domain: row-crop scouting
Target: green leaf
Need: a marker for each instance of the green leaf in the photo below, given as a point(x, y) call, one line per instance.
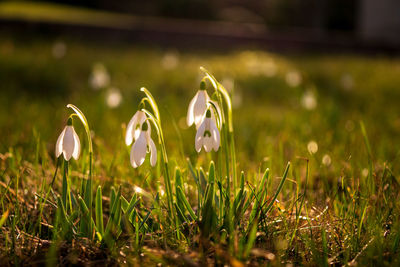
point(251, 239)
point(182, 198)
point(85, 215)
point(279, 188)
point(99, 211)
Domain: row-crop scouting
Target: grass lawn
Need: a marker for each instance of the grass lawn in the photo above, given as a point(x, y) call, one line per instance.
point(335, 118)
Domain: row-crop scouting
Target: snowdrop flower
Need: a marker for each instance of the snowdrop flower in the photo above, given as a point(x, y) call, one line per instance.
point(139, 148)
point(134, 126)
point(68, 143)
point(99, 78)
point(198, 106)
point(207, 134)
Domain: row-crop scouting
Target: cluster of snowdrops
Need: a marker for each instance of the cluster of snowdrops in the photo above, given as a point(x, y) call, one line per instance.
point(202, 112)
point(205, 112)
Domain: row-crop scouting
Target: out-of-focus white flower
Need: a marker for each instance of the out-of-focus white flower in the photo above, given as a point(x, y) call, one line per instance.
point(59, 50)
point(293, 78)
point(139, 148)
point(134, 127)
point(68, 143)
point(326, 160)
point(207, 134)
point(113, 97)
point(99, 78)
point(170, 60)
point(308, 100)
point(312, 147)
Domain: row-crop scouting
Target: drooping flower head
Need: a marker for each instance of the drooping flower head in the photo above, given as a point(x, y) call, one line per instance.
point(139, 148)
point(198, 106)
point(134, 127)
point(207, 135)
point(68, 143)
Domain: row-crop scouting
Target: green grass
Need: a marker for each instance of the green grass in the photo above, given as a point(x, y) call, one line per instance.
point(338, 205)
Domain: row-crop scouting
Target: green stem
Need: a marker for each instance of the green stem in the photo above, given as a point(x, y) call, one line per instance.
point(46, 197)
point(167, 179)
point(88, 191)
point(233, 158)
point(64, 189)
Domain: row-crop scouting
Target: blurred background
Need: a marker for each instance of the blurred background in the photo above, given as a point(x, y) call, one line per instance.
point(273, 24)
point(302, 74)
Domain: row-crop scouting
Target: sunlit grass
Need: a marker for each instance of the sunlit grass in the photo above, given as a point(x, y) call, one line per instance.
point(338, 203)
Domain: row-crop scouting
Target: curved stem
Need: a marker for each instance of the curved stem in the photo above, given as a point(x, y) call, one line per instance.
point(157, 125)
point(88, 190)
point(219, 88)
point(152, 102)
point(82, 117)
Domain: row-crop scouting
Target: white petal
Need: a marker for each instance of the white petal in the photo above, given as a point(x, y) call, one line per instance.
point(130, 129)
point(138, 125)
point(153, 152)
point(199, 136)
point(190, 115)
point(132, 160)
point(207, 143)
point(215, 135)
point(77, 146)
point(68, 142)
point(138, 152)
point(200, 107)
point(59, 143)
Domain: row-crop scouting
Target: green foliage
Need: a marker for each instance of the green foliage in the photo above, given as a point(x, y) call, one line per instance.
point(337, 205)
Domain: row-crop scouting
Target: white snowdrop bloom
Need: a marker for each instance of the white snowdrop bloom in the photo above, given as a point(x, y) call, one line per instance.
point(134, 126)
point(207, 134)
point(68, 143)
point(198, 106)
point(312, 147)
point(139, 148)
